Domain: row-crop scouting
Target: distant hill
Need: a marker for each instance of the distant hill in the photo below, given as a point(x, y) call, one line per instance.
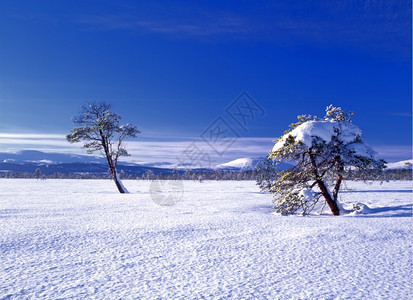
point(247, 164)
point(240, 164)
point(404, 164)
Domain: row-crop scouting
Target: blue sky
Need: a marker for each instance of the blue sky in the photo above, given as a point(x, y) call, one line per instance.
point(174, 69)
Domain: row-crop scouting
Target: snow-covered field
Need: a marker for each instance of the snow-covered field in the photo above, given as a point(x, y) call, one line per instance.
point(81, 239)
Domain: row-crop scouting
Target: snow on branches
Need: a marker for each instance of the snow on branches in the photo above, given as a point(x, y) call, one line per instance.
point(321, 149)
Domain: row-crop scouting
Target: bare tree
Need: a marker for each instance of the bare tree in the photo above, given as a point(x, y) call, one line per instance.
point(100, 130)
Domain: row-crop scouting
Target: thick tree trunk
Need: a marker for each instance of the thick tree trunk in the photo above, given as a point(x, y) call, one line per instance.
point(327, 196)
point(331, 202)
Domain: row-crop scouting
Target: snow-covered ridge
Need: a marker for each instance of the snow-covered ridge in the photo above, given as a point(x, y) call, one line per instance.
point(404, 164)
point(248, 164)
point(243, 164)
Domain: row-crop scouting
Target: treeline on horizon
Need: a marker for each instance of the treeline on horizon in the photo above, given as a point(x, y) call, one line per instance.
point(256, 175)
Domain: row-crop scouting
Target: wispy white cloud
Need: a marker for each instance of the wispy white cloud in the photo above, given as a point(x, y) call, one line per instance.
point(394, 153)
point(12, 142)
point(367, 25)
point(186, 151)
point(203, 25)
point(31, 136)
point(172, 151)
point(371, 24)
point(402, 114)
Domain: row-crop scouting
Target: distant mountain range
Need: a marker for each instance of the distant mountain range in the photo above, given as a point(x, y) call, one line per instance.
point(49, 163)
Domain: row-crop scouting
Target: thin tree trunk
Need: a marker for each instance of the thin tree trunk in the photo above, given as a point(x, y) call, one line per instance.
point(111, 165)
point(337, 186)
point(332, 203)
point(119, 185)
point(339, 178)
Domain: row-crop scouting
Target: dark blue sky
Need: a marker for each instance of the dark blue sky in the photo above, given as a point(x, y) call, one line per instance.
point(173, 69)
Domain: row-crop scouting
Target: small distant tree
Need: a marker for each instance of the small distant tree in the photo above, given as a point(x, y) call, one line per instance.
point(149, 175)
point(322, 149)
point(100, 130)
point(37, 173)
point(201, 177)
point(265, 173)
point(175, 174)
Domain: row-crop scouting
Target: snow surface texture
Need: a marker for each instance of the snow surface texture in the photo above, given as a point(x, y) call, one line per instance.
point(325, 130)
point(82, 239)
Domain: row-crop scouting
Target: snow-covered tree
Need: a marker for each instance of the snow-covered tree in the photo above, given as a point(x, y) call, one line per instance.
point(100, 130)
point(321, 150)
